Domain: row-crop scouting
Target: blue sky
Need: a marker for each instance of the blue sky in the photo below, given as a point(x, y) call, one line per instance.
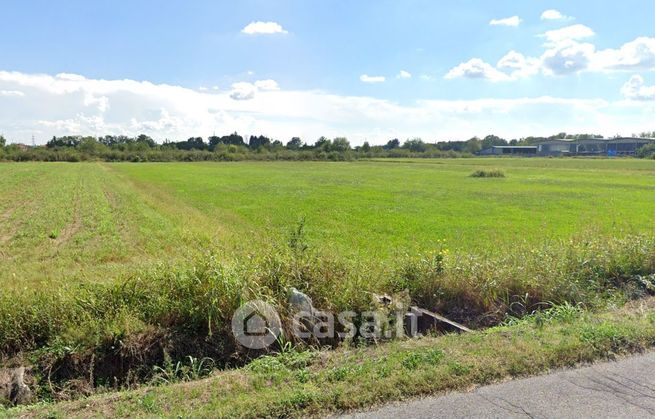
point(310, 68)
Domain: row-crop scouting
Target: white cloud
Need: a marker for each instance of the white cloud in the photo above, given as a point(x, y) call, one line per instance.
point(564, 53)
point(99, 102)
point(636, 89)
point(243, 91)
point(512, 66)
point(552, 14)
point(372, 79)
point(568, 33)
point(247, 91)
point(263, 28)
point(55, 105)
point(567, 58)
point(508, 21)
point(404, 75)
point(519, 65)
point(634, 55)
point(475, 68)
point(267, 85)
point(70, 77)
point(15, 93)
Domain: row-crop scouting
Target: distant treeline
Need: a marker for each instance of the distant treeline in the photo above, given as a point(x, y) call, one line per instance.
point(234, 147)
point(231, 147)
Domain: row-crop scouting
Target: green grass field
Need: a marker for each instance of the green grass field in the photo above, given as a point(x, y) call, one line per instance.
point(93, 221)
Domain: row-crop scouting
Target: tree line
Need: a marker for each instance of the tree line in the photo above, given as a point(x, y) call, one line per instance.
point(234, 147)
point(220, 148)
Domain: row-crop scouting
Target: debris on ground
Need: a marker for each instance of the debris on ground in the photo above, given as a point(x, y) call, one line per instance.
point(13, 390)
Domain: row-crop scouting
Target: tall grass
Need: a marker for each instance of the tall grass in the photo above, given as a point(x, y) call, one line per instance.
point(113, 334)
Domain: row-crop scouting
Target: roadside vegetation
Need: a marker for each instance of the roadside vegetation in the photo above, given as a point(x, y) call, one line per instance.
point(299, 382)
point(125, 332)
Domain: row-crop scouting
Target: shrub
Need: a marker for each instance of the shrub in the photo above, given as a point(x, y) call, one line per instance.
point(647, 152)
point(488, 173)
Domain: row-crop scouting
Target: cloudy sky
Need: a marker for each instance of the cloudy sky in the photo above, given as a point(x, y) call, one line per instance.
point(368, 70)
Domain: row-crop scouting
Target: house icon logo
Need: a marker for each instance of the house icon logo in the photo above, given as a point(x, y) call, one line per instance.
point(256, 325)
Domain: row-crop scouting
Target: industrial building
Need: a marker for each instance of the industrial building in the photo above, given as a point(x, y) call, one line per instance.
point(509, 150)
point(590, 147)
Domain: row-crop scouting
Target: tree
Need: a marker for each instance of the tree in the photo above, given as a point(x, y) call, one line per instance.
point(395, 143)
point(492, 140)
point(647, 151)
point(340, 144)
point(147, 141)
point(120, 142)
point(459, 146)
point(67, 141)
point(472, 146)
point(560, 136)
point(416, 145)
point(366, 147)
point(3, 141)
point(294, 144)
point(232, 139)
point(257, 142)
point(323, 144)
point(193, 143)
point(276, 144)
point(91, 146)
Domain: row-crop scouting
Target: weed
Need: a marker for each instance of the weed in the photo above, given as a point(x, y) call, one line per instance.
point(297, 239)
point(605, 338)
point(192, 369)
point(149, 403)
point(414, 359)
point(458, 369)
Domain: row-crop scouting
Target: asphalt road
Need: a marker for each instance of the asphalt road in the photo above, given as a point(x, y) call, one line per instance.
point(621, 389)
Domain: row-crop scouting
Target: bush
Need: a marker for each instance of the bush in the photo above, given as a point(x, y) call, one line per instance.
point(647, 152)
point(488, 173)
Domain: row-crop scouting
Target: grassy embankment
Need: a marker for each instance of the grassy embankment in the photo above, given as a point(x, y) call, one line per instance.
point(312, 383)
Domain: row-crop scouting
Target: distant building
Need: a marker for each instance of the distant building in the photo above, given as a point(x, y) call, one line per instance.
point(499, 150)
point(593, 147)
point(590, 147)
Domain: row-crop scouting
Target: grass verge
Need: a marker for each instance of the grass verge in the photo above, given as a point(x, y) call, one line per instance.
point(294, 384)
